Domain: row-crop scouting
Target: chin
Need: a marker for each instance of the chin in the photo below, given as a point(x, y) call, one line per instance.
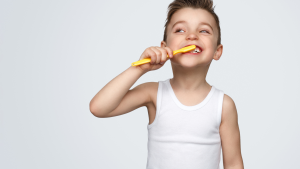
point(187, 64)
point(192, 63)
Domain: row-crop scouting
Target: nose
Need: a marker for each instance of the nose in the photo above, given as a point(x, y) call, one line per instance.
point(191, 36)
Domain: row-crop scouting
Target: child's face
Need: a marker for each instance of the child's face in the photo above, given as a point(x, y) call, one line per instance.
point(187, 26)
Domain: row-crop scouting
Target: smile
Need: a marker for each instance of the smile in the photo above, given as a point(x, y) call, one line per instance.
point(194, 52)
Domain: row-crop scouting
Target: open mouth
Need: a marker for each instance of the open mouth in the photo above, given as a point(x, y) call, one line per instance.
point(197, 50)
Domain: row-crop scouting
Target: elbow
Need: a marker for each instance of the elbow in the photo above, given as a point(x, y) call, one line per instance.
point(95, 111)
point(95, 114)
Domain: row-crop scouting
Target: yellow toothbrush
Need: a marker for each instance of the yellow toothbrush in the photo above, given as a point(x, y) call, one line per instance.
point(182, 50)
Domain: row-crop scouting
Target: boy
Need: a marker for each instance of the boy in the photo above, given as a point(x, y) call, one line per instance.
point(189, 120)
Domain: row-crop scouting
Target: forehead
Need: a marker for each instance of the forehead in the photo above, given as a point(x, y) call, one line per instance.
point(192, 16)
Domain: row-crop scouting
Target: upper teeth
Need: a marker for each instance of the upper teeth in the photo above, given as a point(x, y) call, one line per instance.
point(197, 50)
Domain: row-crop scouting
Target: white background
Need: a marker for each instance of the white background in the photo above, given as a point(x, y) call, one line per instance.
point(56, 55)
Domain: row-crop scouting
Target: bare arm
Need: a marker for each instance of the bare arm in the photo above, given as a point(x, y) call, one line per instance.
point(111, 95)
point(230, 136)
point(115, 98)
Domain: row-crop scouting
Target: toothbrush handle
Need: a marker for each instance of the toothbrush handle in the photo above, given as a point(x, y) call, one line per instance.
point(147, 60)
point(182, 50)
point(140, 62)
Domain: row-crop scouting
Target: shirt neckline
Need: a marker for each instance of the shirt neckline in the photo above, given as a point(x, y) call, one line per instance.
point(182, 106)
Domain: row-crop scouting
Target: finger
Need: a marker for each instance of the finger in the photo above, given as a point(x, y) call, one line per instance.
point(158, 55)
point(169, 51)
point(148, 53)
point(153, 56)
point(164, 54)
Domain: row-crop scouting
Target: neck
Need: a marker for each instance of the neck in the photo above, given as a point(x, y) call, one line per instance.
point(190, 79)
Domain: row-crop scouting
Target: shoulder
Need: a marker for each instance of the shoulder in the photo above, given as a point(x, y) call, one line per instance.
point(229, 121)
point(153, 87)
point(230, 134)
point(229, 112)
point(149, 89)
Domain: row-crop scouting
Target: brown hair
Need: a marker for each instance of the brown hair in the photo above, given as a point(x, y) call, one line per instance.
point(203, 4)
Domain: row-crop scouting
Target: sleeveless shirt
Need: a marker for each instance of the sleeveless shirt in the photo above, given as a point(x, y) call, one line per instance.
point(185, 137)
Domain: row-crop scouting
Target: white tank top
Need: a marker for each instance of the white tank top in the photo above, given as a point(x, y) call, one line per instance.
point(185, 137)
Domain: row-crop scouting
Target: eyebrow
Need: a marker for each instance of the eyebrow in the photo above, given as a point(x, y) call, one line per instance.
point(203, 23)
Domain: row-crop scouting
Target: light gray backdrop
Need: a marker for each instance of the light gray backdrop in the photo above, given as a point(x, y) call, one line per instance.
point(56, 55)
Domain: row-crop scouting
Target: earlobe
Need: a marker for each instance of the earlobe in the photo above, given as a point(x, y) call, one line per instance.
point(219, 52)
point(163, 44)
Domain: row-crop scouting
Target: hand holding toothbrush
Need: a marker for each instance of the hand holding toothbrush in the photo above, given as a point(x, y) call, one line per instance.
point(157, 56)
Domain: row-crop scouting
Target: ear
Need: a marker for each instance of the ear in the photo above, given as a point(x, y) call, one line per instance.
point(218, 52)
point(163, 44)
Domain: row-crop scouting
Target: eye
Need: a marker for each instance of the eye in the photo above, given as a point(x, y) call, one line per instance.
point(204, 30)
point(177, 30)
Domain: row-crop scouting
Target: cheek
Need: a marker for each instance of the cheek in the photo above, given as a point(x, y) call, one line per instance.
point(210, 43)
point(172, 43)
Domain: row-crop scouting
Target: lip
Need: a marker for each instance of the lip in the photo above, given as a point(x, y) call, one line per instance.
point(196, 46)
